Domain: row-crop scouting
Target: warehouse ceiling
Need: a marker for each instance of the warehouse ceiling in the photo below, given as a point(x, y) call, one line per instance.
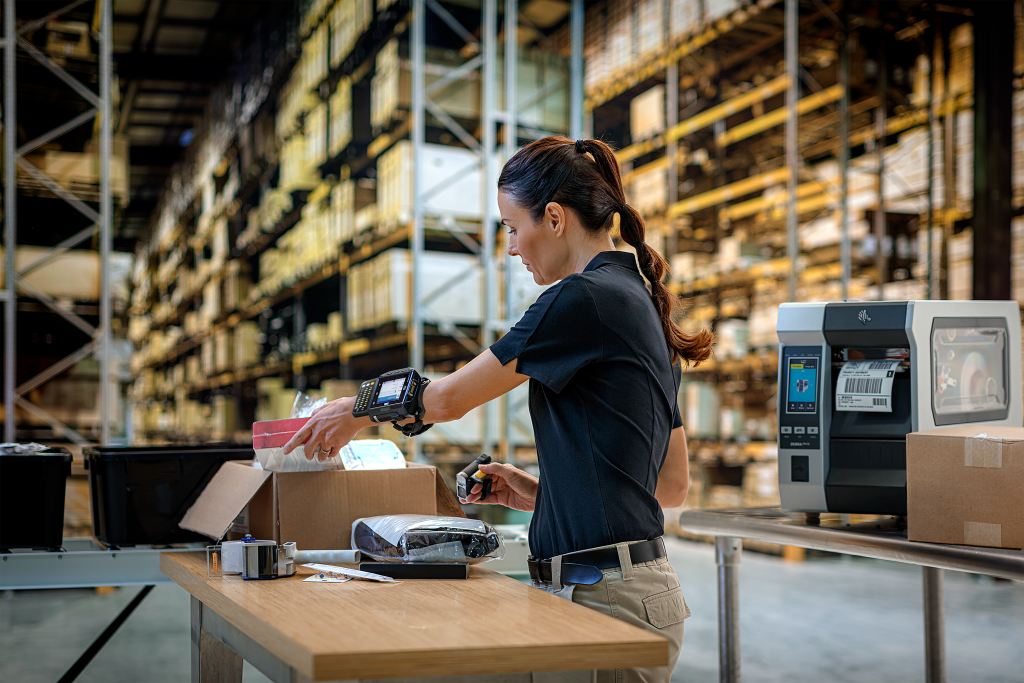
point(168, 56)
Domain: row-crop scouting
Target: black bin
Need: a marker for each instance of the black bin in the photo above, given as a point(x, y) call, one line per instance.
point(32, 487)
point(140, 493)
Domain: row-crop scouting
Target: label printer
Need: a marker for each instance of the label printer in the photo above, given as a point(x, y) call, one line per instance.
point(856, 377)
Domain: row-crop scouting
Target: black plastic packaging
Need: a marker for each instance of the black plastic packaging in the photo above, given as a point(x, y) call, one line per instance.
point(32, 488)
point(418, 570)
point(140, 493)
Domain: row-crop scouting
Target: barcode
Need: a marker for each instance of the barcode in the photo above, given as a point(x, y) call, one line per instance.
point(863, 385)
point(880, 401)
point(881, 365)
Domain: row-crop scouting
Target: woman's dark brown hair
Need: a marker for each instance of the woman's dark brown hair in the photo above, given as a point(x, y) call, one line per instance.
point(584, 176)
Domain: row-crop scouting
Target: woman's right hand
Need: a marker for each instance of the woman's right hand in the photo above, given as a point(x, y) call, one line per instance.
point(510, 487)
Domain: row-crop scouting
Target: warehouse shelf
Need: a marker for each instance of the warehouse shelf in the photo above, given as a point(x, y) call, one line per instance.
point(654, 64)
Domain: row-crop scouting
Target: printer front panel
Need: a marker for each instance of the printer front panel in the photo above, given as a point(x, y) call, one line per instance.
point(804, 378)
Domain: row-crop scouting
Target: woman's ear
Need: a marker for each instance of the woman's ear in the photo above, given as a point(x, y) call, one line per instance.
point(554, 218)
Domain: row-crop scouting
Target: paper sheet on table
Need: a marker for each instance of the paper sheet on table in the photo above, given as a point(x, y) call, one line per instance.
point(865, 386)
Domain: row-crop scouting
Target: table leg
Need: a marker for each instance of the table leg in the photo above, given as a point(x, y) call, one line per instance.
point(728, 553)
point(934, 626)
point(212, 660)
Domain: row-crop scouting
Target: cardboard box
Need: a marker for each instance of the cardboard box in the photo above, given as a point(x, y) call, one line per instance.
point(965, 484)
point(314, 509)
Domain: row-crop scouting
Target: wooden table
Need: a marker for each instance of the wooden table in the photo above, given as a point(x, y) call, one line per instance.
point(489, 624)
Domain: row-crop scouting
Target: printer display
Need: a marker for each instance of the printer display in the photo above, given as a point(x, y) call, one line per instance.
point(856, 377)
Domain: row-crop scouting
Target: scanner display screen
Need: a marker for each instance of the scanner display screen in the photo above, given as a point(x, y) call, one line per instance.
point(802, 394)
point(969, 369)
point(391, 390)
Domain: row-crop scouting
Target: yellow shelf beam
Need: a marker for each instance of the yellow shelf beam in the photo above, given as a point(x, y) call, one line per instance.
point(726, 192)
point(778, 116)
point(706, 118)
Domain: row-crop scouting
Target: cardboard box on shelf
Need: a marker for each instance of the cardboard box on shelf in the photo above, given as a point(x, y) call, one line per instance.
point(965, 485)
point(313, 509)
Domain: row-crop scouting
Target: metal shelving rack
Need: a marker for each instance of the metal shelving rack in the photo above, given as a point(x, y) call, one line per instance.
point(489, 152)
point(101, 220)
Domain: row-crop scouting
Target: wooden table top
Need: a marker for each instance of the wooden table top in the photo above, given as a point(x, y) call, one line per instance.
point(489, 623)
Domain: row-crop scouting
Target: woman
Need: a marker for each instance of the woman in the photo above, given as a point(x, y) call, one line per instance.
point(602, 355)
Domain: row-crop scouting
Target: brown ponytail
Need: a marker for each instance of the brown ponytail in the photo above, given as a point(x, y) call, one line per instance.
point(583, 175)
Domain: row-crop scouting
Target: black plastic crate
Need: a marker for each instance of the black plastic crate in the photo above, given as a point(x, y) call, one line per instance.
point(32, 488)
point(140, 493)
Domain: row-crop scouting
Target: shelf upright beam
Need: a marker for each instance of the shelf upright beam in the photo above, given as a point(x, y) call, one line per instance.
point(933, 281)
point(10, 221)
point(672, 152)
point(844, 158)
point(792, 95)
point(106, 224)
point(576, 70)
point(511, 143)
point(489, 200)
point(881, 115)
point(418, 54)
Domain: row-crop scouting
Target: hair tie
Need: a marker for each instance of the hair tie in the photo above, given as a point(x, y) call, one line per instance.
point(581, 147)
point(623, 207)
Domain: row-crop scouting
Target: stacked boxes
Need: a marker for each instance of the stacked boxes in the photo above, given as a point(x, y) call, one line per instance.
point(451, 179)
point(379, 290)
point(961, 266)
point(340, 117)
point(247, 345)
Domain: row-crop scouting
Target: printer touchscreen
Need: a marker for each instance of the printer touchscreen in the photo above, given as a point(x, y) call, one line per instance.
point(803, 385)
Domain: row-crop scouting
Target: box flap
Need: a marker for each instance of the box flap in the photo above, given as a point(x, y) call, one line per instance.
point(223, 499)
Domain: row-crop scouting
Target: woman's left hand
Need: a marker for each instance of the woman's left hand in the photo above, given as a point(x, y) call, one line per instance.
point(329, 429)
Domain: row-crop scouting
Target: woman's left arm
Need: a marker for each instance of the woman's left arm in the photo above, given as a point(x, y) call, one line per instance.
point(482, 379)
point(674, 478)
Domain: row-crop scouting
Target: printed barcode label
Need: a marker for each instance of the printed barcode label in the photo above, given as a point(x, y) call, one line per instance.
point(863, 385)
point(880, 365)
point(880, 401)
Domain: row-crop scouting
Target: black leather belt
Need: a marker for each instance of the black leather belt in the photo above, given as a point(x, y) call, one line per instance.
point(584, 567)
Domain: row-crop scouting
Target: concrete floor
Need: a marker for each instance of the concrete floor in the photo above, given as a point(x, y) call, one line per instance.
point(827, 619)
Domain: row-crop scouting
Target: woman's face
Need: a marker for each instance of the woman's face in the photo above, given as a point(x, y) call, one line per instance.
point(542, 244)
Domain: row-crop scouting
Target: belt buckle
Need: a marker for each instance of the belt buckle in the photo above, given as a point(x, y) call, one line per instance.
point(534, 565)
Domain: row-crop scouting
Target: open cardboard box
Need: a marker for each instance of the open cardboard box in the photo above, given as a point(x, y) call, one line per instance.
point(314, 509)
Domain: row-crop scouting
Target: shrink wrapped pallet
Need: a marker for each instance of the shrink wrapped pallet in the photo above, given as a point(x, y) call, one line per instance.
point(379, 290)
point(683, 19)
point(247, 345)
point(702, 415)
point(316, 136)
point(451, 179)
point(761, 484)
point(210, 309)
point(650, 33)
point(236, 285)
point(340, 126)
point(647, 114)
point(648, 191)
point(224, 417)
point(208, 355)
point(961, 266)
point(224, 350)
point(595, 54)
point(733, 339)
point(620, 37)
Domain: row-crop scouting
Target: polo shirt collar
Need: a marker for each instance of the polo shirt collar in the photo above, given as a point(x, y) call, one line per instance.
point(615, 258)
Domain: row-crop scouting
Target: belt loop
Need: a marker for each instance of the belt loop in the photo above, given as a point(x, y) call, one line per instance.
point(625, 562)
point(556, 573)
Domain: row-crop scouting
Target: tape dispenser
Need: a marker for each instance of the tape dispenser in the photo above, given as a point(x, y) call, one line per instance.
point(256, 559)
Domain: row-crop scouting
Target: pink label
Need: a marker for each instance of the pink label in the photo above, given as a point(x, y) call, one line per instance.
point(276, 433)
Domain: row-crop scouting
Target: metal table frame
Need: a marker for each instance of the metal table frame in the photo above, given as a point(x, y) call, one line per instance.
point(84, 563)
point(882, 540)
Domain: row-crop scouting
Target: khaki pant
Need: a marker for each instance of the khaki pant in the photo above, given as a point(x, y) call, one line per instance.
point(645, 595)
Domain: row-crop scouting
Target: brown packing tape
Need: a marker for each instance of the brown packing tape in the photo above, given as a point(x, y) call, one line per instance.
point(981, 451)
point(982, 533)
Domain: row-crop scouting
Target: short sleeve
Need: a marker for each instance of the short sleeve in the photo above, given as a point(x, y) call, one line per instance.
point(677, 376)
point(559, 334)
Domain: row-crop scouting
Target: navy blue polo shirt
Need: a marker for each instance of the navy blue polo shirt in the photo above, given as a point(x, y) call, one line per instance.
point(603, 404)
